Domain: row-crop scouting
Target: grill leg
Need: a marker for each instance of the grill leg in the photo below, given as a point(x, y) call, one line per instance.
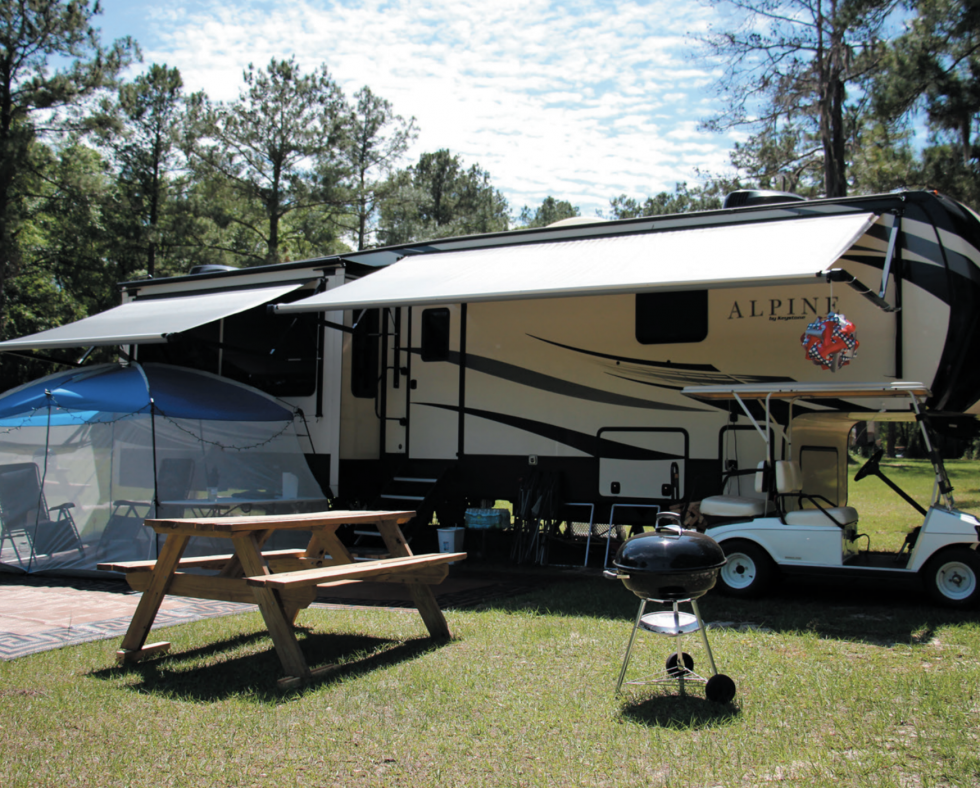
point(629, 648)
point(704, 637)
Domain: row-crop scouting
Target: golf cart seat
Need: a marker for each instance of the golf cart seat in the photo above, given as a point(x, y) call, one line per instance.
point(741, 507)
point(789, 483)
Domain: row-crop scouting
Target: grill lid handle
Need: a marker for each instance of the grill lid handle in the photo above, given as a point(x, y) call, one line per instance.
point(676, 531)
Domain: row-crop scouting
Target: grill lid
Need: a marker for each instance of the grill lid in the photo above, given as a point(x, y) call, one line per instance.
point(669, 549)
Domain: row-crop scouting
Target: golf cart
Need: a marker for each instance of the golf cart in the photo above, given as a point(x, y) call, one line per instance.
point(782, 527)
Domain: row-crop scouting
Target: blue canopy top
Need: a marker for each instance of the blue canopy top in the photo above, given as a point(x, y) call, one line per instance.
point(111, 391)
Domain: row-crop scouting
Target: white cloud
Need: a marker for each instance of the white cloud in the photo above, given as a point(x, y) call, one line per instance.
point(582, 99)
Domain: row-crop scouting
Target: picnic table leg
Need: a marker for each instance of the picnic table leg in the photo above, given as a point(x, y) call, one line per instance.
point(276, 619)
point(421, 593)
point(322, 541)
point(234, 566)
point(132, 647)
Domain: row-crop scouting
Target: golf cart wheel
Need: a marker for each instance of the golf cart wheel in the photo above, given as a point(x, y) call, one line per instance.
point(749, 571)
point(719, 689)
point(672, 668)
point(952, 577)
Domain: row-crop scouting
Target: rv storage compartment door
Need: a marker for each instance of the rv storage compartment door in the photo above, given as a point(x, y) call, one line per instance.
point(641, 467)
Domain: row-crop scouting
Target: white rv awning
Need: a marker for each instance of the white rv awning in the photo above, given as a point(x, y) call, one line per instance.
point(789, 251)
point(150, 320)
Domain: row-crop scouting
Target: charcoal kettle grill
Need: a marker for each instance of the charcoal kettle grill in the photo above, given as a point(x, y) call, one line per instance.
point(670, 565)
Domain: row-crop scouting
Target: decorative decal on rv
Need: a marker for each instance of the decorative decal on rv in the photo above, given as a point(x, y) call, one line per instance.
point(665, 374)
point(583, 442)
point(553, 385)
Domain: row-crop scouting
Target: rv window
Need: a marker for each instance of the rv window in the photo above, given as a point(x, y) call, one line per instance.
point(276, 354)
point(364, 354)
point(667, 318)
point(194, 349)
point(435, 334)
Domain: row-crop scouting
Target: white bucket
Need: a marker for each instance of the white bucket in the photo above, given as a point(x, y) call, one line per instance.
point(451, 540)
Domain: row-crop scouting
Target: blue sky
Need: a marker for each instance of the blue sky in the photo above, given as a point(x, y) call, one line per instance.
point(582, 99)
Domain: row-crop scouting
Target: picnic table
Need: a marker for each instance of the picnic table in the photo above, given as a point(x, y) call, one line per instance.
point(281, 582)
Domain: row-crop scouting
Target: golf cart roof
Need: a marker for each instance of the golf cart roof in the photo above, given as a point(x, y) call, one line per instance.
point(793, 390)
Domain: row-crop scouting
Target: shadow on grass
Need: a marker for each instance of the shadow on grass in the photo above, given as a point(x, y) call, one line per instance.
point(219, 670)
point(860, 611)
point(679, 712)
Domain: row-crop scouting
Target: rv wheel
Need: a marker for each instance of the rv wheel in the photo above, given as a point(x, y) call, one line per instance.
point(749, 570)
point(952, 577)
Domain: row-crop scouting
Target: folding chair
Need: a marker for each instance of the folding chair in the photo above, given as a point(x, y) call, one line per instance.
point(614, 522)
point(24, 513)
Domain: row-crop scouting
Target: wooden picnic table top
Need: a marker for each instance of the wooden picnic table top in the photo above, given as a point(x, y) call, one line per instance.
point(302, 521)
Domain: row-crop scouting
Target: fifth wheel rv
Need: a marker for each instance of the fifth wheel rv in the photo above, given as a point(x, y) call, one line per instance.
point(566, 350)
point(465, 366)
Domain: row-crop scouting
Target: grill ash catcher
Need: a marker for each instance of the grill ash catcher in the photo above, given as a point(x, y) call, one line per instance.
point(672, 566)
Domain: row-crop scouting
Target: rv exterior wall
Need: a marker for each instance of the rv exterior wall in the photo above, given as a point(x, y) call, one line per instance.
point(568, 381)
point(572, 382)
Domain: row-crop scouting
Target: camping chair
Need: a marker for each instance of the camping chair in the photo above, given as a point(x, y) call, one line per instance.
point(126, 521)
point(629, 517)
point(24, 512)
point(125, 527)
point(574, 524)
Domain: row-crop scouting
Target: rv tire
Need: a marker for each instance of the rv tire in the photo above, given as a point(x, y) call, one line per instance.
point(952, 577)
point(749, 571)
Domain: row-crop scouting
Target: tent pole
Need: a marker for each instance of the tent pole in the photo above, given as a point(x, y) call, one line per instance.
point(44, 478)
point(156, 488)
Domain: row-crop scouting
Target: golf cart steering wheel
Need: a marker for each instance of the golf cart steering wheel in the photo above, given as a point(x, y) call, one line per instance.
point(870, 467)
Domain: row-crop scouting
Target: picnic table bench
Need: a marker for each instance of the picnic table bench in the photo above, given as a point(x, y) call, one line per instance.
point(281, 582)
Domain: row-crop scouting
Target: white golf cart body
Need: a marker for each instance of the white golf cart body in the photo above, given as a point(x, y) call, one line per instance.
point(814, 543)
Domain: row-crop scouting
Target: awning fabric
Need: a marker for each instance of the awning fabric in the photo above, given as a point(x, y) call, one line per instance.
point(789, 251)
point(151, 320)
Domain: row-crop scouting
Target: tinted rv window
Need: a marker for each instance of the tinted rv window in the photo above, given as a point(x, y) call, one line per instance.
point(194, 349)
point(435, 334)
point(666, 318)
point(276, 354)
point(364, 354)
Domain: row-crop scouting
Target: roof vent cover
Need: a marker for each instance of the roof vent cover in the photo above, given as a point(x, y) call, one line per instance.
point(211, 268)
point(746, 197)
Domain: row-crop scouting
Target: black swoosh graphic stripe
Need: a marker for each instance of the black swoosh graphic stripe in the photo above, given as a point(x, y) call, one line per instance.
point(553, 385)
point(637, 361)
point(587, 444)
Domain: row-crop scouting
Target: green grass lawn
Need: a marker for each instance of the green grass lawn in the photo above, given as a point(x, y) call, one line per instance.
point(886, 518)
point(857, 686)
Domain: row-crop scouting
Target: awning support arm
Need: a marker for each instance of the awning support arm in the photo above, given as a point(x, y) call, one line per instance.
point(890, 256)
point(839, 275)
point(943, 487)
point(337, 326)
point(39, 357)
